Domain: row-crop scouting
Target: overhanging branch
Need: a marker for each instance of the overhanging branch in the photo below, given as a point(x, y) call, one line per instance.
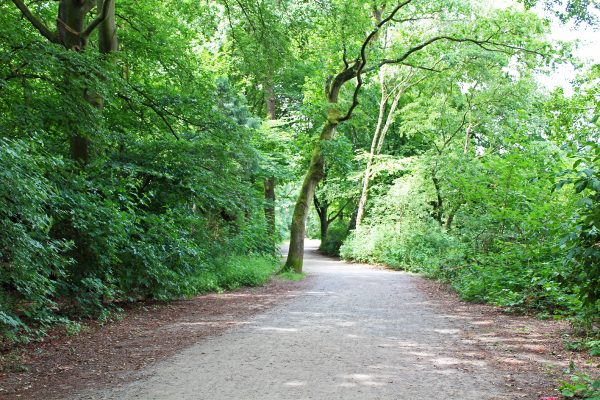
point(363, 58)
point(36, 22)
point(485, 44)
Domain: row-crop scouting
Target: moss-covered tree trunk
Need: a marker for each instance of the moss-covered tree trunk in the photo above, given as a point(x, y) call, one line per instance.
point(313, 176)
point(316, 168)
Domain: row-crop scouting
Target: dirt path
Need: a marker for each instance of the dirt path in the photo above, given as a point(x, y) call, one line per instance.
point(356, 332)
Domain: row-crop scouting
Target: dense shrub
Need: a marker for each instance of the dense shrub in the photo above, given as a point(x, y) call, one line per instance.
point(170, 196)
point(31, 261)
point(336, 234)
point(504, 244)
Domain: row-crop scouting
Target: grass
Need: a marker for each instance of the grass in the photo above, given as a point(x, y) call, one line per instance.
point(291, 276)
point(233, 273)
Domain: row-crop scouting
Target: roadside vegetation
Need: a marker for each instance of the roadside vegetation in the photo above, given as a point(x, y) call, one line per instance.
point(158, 150)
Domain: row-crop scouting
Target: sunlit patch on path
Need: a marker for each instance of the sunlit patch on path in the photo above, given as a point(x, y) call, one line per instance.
point(355, 333)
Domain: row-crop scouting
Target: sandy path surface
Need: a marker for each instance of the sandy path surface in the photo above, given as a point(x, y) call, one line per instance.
point(356, 333)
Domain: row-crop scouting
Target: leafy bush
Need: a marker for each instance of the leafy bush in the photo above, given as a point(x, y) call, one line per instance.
point(31, 261)
point(580, 386)
point(336, 234)
point(502, 245)
point(582, 243)
point(234, 272)
point(413, 246)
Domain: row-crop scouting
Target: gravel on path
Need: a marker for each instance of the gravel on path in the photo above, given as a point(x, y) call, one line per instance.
point(356, 332)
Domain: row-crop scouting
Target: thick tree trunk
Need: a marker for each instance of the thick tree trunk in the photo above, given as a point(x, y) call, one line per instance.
point(108, 41)
point(313, 177)
point(324, 227)
point(70, 23)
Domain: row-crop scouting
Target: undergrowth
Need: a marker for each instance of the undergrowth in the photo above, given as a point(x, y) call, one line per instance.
point(291, 276)
point(579, 385)
point(234, 273)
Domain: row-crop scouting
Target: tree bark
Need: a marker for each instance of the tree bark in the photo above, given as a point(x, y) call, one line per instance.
point(377, 142)
point(108, 41)
point(270, 182)
point(322, 210)
point(313, 176)
point(270, 206)
point(363, 194)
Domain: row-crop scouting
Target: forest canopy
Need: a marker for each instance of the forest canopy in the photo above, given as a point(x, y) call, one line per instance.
point(161, 149)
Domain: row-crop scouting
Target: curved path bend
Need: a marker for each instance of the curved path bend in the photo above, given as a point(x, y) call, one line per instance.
point(357, 332)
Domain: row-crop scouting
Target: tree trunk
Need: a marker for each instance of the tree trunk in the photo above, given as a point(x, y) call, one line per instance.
point(377, 142)
point(270, 181)
point(270, 206)
point(108, 41)
point(364, 193)
point(450, 218)
point(322, 210)
point(313, 177)
point(438, 205)
point(316, 169)
point(389, 120)
point(271, 102)
point(467, 139)
point(70, 23)
point(71, 20)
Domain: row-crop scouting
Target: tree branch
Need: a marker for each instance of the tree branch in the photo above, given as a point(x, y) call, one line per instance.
point(157, 111)
point(317, 204)
point(97, 21)
point(36, 22)
point(363, 58)
point(484, 44)
point(337, 214)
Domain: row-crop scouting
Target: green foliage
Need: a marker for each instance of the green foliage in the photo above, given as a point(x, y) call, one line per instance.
point(291, 276)
point(579, 385)
point(233, 273)
point(488, 220)
point(575, 123)
point(170, 186)
point(416, 246)
point(170, 199)
point(586, 344)
point(30, 259)
point(336, 234)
